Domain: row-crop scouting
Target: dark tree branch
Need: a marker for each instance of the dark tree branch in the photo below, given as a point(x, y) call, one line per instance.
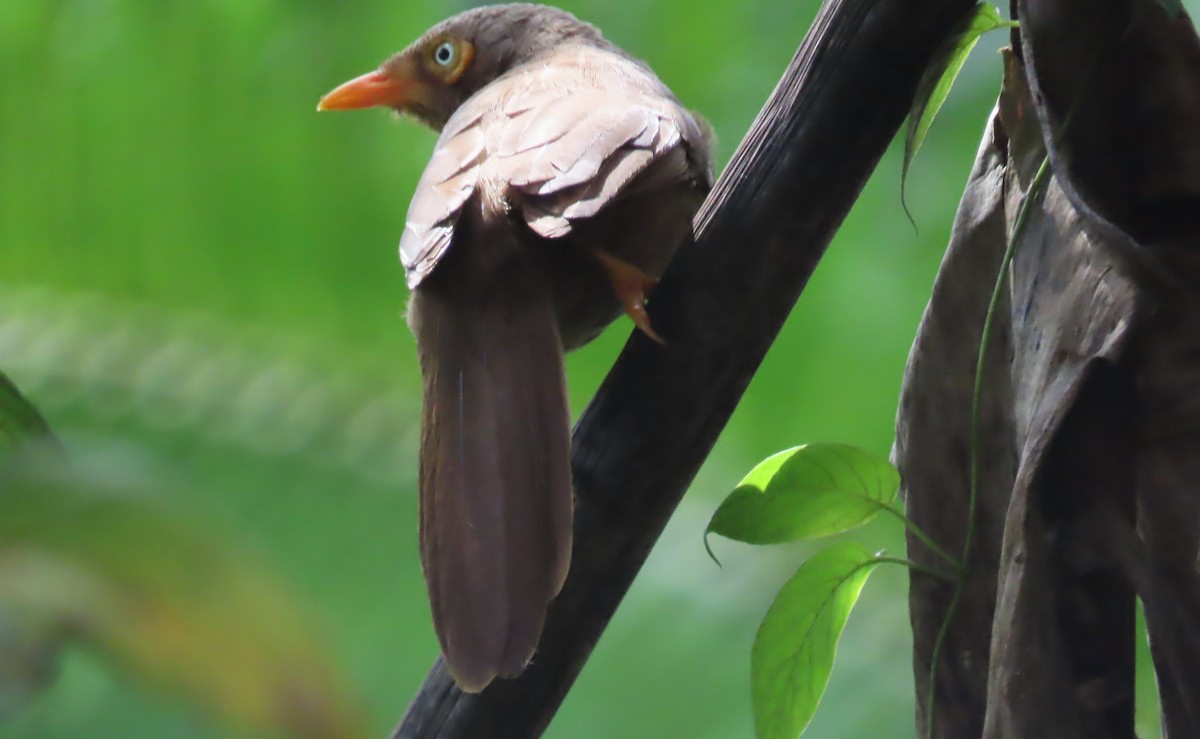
point(723, 300)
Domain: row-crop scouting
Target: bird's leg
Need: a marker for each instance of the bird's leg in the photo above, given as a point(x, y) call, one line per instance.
point(632, 286)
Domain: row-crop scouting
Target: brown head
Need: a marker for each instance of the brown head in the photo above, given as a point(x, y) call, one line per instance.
point(454, 59)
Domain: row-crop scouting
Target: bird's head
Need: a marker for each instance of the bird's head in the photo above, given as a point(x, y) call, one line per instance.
point(453, 60)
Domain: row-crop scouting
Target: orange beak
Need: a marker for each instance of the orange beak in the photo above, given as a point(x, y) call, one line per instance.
point(369, 90)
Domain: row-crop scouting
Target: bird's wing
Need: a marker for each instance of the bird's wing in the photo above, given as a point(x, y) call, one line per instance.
point(560, 139)
point(448, 181)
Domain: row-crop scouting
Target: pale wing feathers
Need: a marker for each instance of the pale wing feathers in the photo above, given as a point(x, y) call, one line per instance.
point(449, 179)
point(551, 216)
point(562, 139)
point(527, 128)
point(567, 140)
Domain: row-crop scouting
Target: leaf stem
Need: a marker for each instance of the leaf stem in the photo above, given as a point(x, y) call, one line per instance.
point(929, 571)
point(925, 538)
point(1036, 188)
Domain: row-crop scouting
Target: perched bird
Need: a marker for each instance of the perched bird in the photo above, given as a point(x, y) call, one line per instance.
point(565, 176)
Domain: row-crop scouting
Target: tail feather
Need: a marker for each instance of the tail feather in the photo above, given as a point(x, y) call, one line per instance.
point(495, 452)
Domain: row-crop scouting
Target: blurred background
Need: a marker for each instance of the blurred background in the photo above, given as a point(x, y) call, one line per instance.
point(199, 287)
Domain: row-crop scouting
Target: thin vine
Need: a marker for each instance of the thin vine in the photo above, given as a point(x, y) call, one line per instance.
point(1036, 190)
point(925, 538)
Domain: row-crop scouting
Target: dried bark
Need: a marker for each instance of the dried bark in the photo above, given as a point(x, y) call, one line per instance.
point(1090, 479)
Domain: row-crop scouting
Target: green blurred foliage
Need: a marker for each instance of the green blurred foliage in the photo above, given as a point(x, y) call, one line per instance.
point(198, 281)
point(165, 597)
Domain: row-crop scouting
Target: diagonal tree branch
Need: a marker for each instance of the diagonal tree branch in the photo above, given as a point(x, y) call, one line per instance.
point(723, 300)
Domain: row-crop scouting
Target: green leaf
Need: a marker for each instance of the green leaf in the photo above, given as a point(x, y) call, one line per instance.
point(796, 643)
point(939, 77)
point(20, 422)
point(806, 492)
point(169, 600)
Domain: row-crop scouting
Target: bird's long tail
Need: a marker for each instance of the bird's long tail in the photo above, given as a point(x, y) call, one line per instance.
point(495, 480)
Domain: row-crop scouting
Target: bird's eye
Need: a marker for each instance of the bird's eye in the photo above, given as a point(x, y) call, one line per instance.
point(444, 54)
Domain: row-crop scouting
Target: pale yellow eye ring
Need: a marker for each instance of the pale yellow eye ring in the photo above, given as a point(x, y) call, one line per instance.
point(451, 58)
point(445, 54)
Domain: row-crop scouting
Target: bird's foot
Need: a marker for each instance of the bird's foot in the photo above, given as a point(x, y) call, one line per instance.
point(632, 286)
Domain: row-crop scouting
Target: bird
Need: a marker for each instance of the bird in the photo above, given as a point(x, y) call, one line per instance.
point(564, 177)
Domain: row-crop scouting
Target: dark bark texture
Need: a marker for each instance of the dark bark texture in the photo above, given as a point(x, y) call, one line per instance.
point(1089, 452)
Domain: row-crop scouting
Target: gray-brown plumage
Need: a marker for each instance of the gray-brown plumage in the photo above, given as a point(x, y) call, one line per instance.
point(565, 175)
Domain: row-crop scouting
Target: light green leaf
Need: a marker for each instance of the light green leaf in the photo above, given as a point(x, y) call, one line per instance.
point(795, 646)
point(806, 492)
point(939, 77)
point(168, 599)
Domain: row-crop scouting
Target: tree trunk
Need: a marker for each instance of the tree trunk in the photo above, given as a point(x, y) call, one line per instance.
point(1089, 427)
